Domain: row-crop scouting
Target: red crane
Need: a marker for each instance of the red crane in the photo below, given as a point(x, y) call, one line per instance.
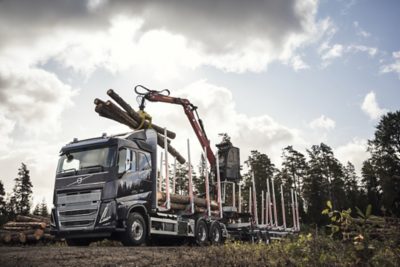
point(190, 111)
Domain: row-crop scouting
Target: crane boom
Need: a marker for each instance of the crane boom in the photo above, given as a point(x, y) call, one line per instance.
point(190, 111)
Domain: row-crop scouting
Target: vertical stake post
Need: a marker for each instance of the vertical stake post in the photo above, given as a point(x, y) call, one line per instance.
point(240, 199)
point(255, 199)
point(161, 169)
point(207, 185)
point(234, 195)
point(269, 203)
point(283, 209)
point(168, 197)
point(250, 204)
point(190, 180)
point(219, 187)
point(174, 179)
point(297, 211)
point(262, 207)
point(266, 208)
point(275, 211)
point(293, 211)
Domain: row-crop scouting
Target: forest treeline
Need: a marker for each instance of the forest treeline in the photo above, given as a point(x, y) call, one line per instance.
point(19, 201)
point(317, 176)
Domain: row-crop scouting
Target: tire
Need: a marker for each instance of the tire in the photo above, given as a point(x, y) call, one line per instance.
point(201, 233)
point(136, 230)
point(216, 234)
point(78, 242)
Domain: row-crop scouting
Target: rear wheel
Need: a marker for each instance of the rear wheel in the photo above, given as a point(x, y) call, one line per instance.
point(216, 234)
point(135, 233)
point(201, 233)
point(78, 242)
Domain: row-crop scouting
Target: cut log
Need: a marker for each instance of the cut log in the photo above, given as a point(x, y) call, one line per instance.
point(26, 224)
point(22, 238)
point(22, 218)
point(5, 237)
point(111, 111)
point(16, 228)
point(180, 199)
point(132, 113)
point(41, 218)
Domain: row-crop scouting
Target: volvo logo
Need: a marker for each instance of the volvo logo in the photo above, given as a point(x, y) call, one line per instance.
point(79, 180)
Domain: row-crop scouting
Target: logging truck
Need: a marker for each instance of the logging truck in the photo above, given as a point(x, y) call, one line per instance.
point(112, 187)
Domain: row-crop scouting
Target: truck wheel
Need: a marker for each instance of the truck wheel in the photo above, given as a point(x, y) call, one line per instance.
point(216, 234)
point(201, 233)
point(135, 233)
point(77, 242)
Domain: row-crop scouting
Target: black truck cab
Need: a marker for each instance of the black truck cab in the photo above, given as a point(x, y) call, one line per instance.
point(100, 180)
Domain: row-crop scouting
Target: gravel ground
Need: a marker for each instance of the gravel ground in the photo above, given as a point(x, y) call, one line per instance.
point(100, 256)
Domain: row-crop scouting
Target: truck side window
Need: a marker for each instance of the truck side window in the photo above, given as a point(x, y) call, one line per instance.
point(122, 160)
point(133, 161)
point(126, 160)
point(144, 163)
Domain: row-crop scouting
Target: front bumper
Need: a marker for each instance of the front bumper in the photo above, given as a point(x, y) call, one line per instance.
point(81, 214)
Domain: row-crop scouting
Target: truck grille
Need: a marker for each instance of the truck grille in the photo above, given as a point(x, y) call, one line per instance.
point(78, 210)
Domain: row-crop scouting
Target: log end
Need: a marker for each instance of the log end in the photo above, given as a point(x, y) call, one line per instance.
point(110, 91)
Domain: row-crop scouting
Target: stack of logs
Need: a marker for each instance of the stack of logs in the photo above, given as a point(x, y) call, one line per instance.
point(379, 227)
point(129, 117)
point(26, 229)
point(181, 202)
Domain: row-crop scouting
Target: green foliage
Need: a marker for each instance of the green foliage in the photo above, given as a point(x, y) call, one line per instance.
point(3, 209)
point(302, 250)
point(36, 210)
point(381, 173)
point(20, 201)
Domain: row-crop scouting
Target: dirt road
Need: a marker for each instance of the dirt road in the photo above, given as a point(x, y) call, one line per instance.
point(102, 256)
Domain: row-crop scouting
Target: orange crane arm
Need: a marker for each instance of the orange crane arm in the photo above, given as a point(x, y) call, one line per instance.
point(190, 110)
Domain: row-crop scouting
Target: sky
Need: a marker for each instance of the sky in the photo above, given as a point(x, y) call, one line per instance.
point(268, 73)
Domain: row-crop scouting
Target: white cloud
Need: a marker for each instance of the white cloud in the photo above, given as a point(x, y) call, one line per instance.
point(395, 66)
point(323, 122)
point(33, 99)
point(330, 52)
point(354, 151)
point(371, 108)
point(214, 36)
point(371, 51)
point(297, 63)
point(360, 31)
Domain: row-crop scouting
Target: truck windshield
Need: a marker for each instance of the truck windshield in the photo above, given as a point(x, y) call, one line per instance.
point(75, 161)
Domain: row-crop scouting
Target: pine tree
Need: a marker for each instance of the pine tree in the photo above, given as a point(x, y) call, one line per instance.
point(351, 187)
point(3, 211)
point(371, 185)
point(21, 198)
point(263, 169)
point(43, 209)
point(325, 181)
point(385, 151)
point(199, 182)
point(294, 171)
point(36, 210)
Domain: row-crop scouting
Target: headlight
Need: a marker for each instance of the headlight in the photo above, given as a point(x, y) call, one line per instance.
point(107, 212)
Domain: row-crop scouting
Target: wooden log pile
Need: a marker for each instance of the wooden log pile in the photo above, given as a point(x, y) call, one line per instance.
point(181, 202)
point(129, 117)
point(377, 227)
point(26, 229)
